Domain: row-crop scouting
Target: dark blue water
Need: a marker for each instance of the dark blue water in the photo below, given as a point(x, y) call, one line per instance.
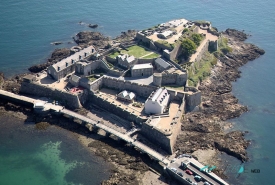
point(28, 27)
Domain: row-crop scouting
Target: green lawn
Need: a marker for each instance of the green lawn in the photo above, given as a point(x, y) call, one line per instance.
point(136, 51)
point(153, 55)
point(177, 88)
point(114, 55)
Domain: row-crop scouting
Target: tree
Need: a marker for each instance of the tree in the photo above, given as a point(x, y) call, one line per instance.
point(188, 47)
point(197, 38)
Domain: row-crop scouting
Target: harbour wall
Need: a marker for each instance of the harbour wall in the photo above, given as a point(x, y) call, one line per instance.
point(65, 98)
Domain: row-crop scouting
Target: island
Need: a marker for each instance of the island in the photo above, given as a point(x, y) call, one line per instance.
point(159, 98)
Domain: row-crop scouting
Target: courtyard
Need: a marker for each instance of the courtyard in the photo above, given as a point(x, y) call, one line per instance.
point(137, 52)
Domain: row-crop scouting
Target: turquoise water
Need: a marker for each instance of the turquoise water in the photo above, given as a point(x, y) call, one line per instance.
point(29, 156)
point(28, 27)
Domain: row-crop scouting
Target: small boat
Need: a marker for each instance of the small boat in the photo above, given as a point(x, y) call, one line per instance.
point(93, 25)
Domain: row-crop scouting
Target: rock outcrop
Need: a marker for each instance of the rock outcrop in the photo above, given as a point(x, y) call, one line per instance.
point(91, 38)
point(204, 129)
point(56, 56)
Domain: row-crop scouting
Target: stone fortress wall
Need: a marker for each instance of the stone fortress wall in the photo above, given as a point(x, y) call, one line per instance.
point(65, 98)
point(166, 139)
point(193, 98)
point(105, 104)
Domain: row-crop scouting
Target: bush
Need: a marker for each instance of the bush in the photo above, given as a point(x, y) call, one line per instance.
point(185, 30)
point(205, 74)
point(188, 47)
point(200, 78)
point(214, 62)
point(197, 38)
point(226, 50)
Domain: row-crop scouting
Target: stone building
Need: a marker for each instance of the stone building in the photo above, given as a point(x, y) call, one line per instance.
point(161, 64)
point(67, 65)
point(126, 61)
point(140, 70)
point(172, 76)
point(85, 67)
point(157, 101)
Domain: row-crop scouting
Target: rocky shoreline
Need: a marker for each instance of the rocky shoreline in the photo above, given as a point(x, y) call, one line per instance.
point(202, 130)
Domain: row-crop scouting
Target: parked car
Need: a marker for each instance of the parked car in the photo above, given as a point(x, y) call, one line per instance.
point(189, 172)
point(197, 178)
point(180, 174)
point(56, 103)
point(189, 180)
point(184, 155)
point(206, 183)
point(174, 170)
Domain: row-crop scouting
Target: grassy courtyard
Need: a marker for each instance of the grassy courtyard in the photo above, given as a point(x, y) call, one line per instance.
point(136, 51)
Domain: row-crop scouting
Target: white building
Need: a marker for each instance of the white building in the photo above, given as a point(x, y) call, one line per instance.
point(126, 96)
point(140, 70)
point(157, 101)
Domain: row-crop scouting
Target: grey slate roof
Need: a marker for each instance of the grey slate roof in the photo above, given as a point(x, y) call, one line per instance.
point(162, 63)
point(66, 62)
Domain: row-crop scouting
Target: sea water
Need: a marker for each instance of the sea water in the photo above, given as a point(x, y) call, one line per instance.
point(52, 156)
point(28, 27)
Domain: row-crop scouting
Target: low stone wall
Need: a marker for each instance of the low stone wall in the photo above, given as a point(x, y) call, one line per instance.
point(196, 29)
point(142, 38)
point(10, 99)
point(145, 61)
point(95, 99)
point(110, 59)
point(213, 32)
point(162, 46)
point(107, 52)
point(120, 85)
point(65, 98)
point(115, 73)
point(202, 51)
point(97, 84)
point(175, 52)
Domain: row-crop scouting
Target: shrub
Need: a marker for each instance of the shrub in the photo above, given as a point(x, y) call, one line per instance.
point(205, 74)
point(226, 50)
point(200, 78)
point(188, 47)
point(197, 38)
point(185, 30)
point(214, 61)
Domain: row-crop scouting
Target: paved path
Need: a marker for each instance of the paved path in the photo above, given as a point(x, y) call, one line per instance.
point(146, 55)
point(140, 146)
